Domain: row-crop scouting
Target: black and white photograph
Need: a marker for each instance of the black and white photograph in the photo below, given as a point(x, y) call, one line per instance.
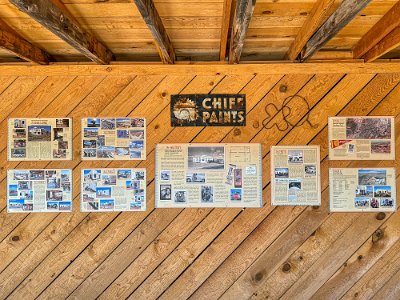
point(62, 122)
point(206, 158)
point(180, 196)
point(18, 153)
point(295, 156)
point(165, 192)
point(36, 174)
point(89, 152)
point(295, 185)
point(165, 175)
point(310, 170)
point(58, 134)
point(195, 177)
point(281, 172)
point(207, 194)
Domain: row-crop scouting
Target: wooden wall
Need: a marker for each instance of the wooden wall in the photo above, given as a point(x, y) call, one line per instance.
point(272, 252)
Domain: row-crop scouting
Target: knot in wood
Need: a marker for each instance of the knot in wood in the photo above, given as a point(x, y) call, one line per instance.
point(108, 69)
point(283, 88)
point(256, 124)
point(163, 94)
point(259, 276)
point(377, 235)
point(380, 216)
point(15, 238)
point(236, 132)
point(286, 267)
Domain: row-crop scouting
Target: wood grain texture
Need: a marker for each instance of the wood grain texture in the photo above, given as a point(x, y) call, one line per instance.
point(13, 42)
point(389, 42)
point(241, 20)
point(157, 29)
point(379, 31)
point(274, 252)
point(225, 25)
point(317, 17)
point(346, 11)
point(56, 18)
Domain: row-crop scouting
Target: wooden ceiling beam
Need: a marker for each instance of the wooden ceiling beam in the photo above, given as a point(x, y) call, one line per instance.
point(388, 43)
point(55, 17)
point(226, 23)
point(346, 11)
point(157, 29)
point(11, 41)
point(318, 16)
point(385, 26)
point(243, 13)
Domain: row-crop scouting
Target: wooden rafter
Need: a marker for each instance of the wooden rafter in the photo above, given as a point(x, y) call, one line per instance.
point(154, 23)
point(243, 13)
point(11, 41)
point(318, 16)
point(381, 38)
point(389, 42)
point(55, 17)
point(226, 22)
point(346, 11)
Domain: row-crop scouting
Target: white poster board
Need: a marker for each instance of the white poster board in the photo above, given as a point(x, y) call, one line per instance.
point(40, 139)
point(361, 138)
point(208, 175)
point(113, 190)
point(357, 190)
point(39, 190)
point(295, 175)
point(113, 139)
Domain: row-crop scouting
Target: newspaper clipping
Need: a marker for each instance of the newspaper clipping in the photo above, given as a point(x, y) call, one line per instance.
point(295, 175)
point(208, 175)
point(39, 191)
point(357, 190)
point(40, 139)
point(361, 138)
point(113, 190)
point(114, 139)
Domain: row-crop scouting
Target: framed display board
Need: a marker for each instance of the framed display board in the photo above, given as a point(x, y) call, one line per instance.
point(361, 138)
point(295, 175)
point(357, 190)
point(40, 139)
point(113, 139)
point(208, 175)
point(39, 190)
point(113, 190)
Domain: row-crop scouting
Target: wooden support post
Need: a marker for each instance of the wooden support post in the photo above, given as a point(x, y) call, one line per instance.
point(153, 21)
point(375, 36)
point(14, 43)
point(55, 17)
point(346, 11)
point(243, 13)
point(318, 16)
point(226, 22)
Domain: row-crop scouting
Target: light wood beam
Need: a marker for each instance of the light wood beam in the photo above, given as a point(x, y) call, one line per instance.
point(243, 13)
point(11, 41)
point(378, 32)
point(157, 29)
point(389, 42)
point(346, 11)
point(55, 17)
point(226, 22)
point(318, 16)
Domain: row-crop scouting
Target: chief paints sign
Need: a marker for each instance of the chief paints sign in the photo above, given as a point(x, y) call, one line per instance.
point(208, 110)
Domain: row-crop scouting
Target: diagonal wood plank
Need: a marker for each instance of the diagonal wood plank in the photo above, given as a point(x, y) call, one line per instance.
point(388, 43)
point(246, 283)
point(240, 228)
point(114, 263)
